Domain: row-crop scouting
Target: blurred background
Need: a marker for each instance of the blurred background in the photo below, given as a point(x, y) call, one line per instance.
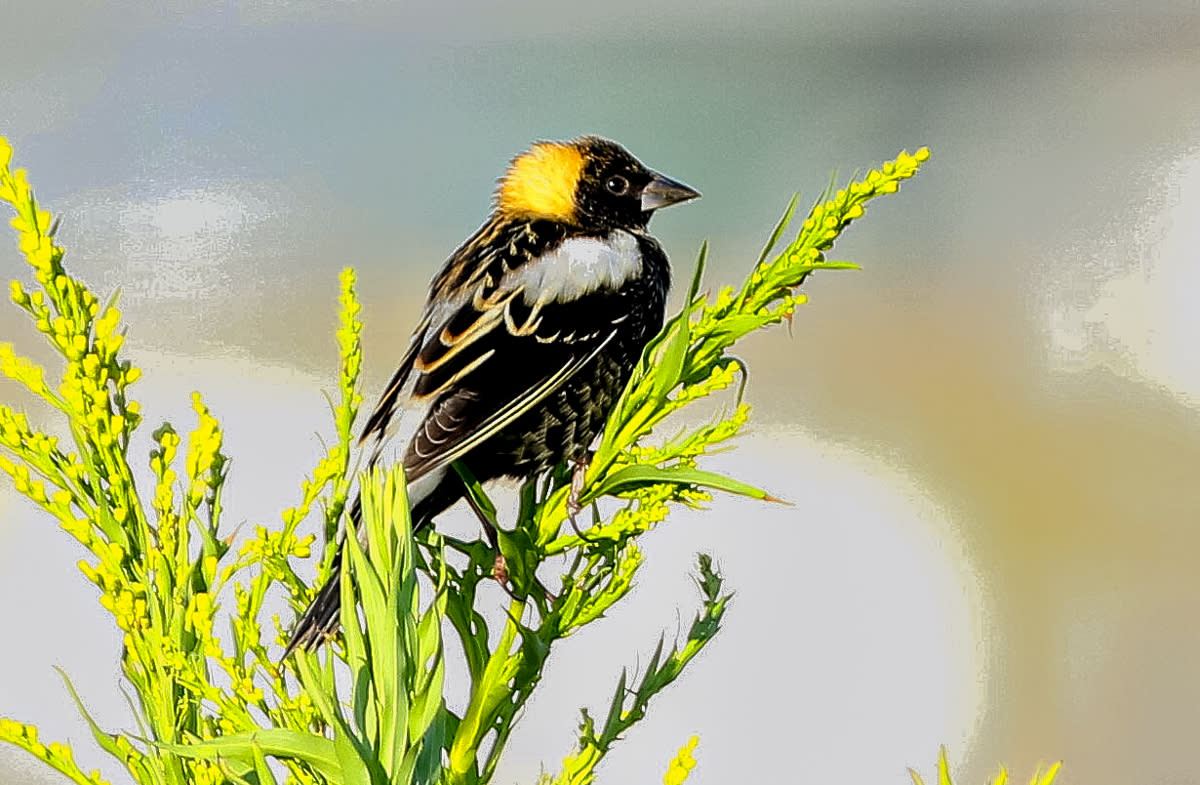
point(990, 435)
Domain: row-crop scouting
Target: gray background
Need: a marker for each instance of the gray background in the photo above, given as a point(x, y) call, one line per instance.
point(990, 435)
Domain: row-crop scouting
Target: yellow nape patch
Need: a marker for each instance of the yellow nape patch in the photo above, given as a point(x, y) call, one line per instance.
point(541, 183)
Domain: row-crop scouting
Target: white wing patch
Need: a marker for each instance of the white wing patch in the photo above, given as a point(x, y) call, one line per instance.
point(577, 266)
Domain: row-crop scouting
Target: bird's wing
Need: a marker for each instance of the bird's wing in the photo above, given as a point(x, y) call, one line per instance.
point(488, 350)
point(466, 417)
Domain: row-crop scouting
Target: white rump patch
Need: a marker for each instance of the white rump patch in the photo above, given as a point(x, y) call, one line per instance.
point(577, 266)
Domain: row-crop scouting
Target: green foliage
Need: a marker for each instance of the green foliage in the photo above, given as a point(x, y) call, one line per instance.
point(216, 708)
point(395, 731)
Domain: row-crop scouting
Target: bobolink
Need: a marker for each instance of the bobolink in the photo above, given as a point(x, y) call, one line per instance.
point(531, 331)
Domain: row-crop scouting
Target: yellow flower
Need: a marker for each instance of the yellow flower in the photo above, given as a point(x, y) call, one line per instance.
point(683, 763)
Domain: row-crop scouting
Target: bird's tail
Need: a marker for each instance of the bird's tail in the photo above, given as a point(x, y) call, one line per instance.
point(321, 618)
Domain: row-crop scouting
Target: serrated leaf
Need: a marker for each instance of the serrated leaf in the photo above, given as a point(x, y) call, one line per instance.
point(618, 703)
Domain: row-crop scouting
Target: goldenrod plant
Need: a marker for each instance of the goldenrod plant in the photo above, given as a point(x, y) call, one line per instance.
point(211, 699)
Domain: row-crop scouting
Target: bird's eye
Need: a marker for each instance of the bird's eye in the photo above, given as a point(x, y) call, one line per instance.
point(617, 185)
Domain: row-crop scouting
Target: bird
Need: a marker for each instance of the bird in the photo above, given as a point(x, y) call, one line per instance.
point(530, 332)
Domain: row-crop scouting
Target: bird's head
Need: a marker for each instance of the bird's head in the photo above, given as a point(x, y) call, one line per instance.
point(588, 183)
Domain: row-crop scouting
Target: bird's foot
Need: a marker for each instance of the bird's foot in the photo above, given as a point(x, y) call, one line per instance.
point(579, 468)
point(500, 570)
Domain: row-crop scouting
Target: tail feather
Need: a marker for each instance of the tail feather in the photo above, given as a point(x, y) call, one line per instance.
point(321, 619)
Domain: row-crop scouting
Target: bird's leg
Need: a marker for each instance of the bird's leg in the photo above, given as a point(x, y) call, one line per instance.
point(500, 566)
point(500, 572)
point(579, 467)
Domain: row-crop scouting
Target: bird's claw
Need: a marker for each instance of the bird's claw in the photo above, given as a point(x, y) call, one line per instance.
point(579, 468)
point(500, 570)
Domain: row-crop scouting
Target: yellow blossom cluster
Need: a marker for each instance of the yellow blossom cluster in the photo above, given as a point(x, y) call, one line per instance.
point(54, 754)
point(157, 578)
point(682, 764)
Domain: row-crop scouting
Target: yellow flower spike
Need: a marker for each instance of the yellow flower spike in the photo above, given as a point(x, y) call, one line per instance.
point(37, 492)
point(683, 763)
point(90, 573)
point(302, 549)
point(80, 529)
point(107, 324)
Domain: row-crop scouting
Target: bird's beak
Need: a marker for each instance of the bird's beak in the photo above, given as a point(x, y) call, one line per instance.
point(662, 191)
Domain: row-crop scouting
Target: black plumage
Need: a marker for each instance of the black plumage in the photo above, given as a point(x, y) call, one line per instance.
point(530, 333)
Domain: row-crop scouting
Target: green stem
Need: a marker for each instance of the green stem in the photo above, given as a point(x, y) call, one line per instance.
point(487, 695)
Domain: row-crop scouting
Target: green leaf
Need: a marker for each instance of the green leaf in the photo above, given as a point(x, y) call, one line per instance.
point(617, 707)
point(265, 776)
point(316, 751)
point(477, 495)
point(356, 646)
point(521, 556)
point(352, 757)
point(701, 263)
point(669, 364)
point(633, 476)
point(779, 229)
point(107, 741)
point(351, 753)
point(835, 266)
